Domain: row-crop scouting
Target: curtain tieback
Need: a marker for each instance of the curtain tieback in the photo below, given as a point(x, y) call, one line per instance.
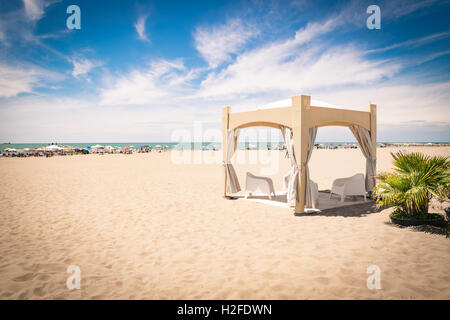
point(299, 166)
point(303, 164)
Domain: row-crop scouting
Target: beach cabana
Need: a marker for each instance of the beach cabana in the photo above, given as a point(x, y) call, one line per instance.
point(298, 119)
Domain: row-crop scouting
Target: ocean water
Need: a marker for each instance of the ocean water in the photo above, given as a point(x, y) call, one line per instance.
point(171, 145)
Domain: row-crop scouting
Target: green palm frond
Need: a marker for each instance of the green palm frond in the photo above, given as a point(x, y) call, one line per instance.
point(416, 179)
point(408, 162)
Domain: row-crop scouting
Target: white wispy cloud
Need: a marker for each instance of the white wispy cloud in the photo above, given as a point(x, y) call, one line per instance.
point(316, 29)
point(162, 80)
point(82, 66)
point(400, 8)
point(216, 44)
point(283, 67)
point(15, 80)
point(289, 66)
point(140, 27)
point(18, 27)
point(431, 57)
point(271, 67)
point(35, 9)
point(414, 42)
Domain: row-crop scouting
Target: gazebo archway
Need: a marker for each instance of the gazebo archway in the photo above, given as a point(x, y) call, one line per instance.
point(298, 123)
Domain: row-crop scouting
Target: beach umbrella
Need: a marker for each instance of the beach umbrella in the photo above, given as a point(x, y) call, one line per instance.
point(52, 148)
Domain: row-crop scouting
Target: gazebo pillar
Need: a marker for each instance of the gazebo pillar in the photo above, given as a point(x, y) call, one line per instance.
point(225, 125)
point(301, 139)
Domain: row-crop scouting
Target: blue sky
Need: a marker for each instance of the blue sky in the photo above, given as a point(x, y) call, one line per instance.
point(140, 70)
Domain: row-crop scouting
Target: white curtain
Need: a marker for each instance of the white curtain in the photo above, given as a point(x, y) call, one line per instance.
point(310, 197)
point(232, 179)
point(293, 173)
point(365, 143)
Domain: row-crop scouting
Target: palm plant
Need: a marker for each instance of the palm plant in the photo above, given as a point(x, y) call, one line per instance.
point(416, 179)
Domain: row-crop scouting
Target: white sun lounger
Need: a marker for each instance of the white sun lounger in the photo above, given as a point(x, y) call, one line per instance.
point(352, 186)
point(258, 185)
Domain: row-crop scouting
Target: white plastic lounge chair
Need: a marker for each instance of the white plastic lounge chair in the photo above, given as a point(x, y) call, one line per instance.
point(258, 185)
point(352, 186)
point(314, 187)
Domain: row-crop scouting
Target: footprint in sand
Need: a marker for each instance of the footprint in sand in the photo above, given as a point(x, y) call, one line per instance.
point(43, 277)
point(7, 294)
point(24, 295)
point(322, 280)
point(24, 277)
point(39, 291)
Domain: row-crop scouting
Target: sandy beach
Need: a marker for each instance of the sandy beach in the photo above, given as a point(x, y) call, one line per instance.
point(141, 227)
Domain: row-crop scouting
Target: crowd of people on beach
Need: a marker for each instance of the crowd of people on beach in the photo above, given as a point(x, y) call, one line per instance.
point(52, 150)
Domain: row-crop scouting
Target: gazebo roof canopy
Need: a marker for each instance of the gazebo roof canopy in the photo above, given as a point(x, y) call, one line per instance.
point(288, 103)
point(299, 111)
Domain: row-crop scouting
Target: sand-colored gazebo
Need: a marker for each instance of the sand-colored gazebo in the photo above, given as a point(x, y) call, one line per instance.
point(298, 123)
